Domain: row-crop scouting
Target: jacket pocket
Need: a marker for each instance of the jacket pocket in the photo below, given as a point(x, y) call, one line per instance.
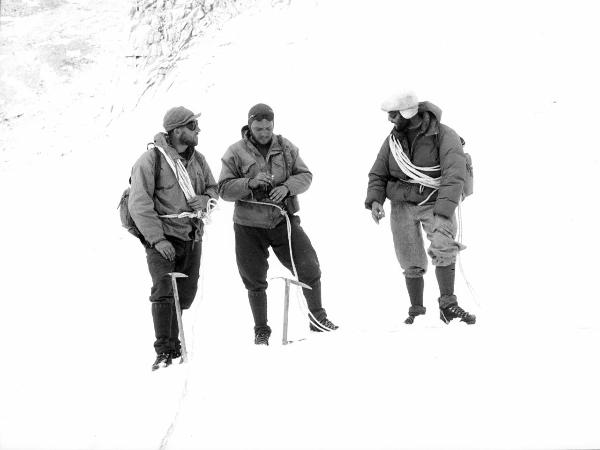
point(253, 215)
point(396, 190)
point(164, 187)
point(166, 180)
point(278, 169)
point(248, 168)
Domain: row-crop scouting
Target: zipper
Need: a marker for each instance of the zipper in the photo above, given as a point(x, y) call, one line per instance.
point(412, 146)
point(411, 152)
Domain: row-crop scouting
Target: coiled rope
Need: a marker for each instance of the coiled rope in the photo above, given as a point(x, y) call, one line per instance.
point(415, 173)
point(203, 215)
point(303, 305)
point(183, 178)
point(416, 176)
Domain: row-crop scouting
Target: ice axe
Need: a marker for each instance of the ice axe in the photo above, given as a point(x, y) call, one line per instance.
point(286, 304)
point(174, 276)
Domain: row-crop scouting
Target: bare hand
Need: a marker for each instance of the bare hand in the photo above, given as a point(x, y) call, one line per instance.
point(377, 212)
point(279, 193)
point(262, 179)
point(166, 249)
point(198, 202)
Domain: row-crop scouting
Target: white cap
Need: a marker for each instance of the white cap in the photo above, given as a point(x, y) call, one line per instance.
point(406, 102)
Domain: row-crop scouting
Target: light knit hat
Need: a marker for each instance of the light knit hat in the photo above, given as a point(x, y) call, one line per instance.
point(406, 102)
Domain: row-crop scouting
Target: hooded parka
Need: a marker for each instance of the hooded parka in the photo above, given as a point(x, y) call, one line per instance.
point(433, 144)
point(147, 200)
point(242, 161)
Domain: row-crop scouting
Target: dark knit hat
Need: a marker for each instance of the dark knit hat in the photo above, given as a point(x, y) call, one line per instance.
point(178, 117)
point(260, 112)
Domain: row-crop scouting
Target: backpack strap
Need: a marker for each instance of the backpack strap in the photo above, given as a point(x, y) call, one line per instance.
point(287, 157)
point(437, 141)
point(156, 162)
point(156, 165)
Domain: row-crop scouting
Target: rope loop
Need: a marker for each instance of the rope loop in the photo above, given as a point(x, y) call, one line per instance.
point(414, 173)
point(303, 305)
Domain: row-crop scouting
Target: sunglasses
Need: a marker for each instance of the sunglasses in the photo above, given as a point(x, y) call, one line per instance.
point(192, 126)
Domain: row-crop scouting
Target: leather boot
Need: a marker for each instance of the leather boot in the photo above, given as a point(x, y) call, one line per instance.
point(445, 278)
point(258, 305)
point(415, 288)
point(161, 315)
point(313, 300)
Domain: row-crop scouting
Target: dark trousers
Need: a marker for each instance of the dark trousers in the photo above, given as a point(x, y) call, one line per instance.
point(252, 251)
point(187, 261)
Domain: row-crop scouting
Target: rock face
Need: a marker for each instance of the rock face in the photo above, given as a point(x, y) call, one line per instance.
point(70, 65)
point(161, 29)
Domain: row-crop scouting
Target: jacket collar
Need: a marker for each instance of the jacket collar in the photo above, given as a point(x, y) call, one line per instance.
point(428, 126)
point(162, 140)
point(432, 115)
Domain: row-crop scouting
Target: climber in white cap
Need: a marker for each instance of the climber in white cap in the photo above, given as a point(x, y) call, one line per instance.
point(421, 168)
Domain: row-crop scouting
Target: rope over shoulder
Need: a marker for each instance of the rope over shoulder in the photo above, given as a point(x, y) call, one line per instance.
point(180, 173)
point(183, 178)
point(416, 176)
point(414, 173)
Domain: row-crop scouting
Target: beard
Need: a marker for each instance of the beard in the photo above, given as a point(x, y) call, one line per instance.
point(402, 124)
point(190, 141)
point(263, 140)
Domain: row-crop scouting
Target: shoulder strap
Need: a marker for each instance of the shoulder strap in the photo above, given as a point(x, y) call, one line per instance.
point(156, 165)
point(287, 157)
point(437, 140)
point(156, 162)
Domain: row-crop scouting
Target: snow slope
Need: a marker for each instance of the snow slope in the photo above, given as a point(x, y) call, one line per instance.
point(516, 80)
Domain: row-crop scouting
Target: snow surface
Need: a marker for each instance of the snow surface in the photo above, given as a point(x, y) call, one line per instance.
point(518, 80)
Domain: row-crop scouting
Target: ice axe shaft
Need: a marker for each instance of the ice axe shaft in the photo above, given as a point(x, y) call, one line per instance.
point(286, 308)
point(174, 276)
point(286, 304)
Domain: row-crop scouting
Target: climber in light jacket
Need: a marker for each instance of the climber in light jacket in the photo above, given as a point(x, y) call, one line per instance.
point(173, 244)
point(263, 174)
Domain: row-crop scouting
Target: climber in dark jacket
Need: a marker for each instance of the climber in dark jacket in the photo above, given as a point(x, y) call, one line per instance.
point(421, 168)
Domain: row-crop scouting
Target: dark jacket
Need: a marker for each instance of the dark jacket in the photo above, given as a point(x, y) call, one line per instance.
point(242, 161)
point(433, 143)
point(147, 201)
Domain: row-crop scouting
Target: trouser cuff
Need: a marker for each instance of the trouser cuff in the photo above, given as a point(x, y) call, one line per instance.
point(416, 310)
point(447, 300)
